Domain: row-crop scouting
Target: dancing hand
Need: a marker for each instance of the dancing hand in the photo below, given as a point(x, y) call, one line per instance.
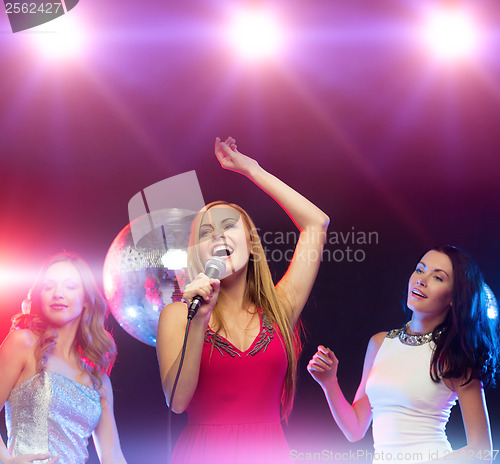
point(230, 158)
point(323, 366)
point(30, 458)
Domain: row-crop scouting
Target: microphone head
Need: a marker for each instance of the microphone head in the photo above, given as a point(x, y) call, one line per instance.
point(215, 267)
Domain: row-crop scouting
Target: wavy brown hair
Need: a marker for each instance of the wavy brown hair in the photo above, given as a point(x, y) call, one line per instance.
point(260, 291)
point(95, 345)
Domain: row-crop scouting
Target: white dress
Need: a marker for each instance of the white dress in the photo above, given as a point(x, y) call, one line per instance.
point(410, 411)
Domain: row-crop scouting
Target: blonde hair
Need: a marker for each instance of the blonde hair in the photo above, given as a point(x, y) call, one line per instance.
point(260, 291)
point(95, 345)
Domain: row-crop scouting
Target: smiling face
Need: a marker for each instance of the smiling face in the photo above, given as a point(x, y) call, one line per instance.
point(430, 287)
point(62, 295)
point(222, 233)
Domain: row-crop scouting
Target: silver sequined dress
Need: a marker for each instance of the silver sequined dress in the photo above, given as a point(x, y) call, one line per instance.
point(50, 413)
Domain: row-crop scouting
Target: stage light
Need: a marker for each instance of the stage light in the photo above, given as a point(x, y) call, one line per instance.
point(10, 276)
point(59, 39)
point(175, 259)
point(451, 35)
point(255, 34)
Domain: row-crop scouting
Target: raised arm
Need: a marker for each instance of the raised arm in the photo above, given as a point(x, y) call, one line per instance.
point(312, 223)
point(106, 440)
point(354, 419)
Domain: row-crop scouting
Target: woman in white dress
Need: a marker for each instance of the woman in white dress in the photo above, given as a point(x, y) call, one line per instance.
point(413, 376)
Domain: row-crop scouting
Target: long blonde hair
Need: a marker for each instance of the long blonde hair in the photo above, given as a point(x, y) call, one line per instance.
point(260, 291)
point(95, 345)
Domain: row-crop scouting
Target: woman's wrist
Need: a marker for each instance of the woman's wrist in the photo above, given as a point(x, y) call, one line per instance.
point(200, 322)
point(253, 171)
point(331, 386)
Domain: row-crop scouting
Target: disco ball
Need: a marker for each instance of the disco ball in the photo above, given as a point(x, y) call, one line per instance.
point(146, 268)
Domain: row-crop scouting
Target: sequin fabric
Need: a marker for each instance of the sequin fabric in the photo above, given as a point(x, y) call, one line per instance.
point(411, 339)
point(50, 413)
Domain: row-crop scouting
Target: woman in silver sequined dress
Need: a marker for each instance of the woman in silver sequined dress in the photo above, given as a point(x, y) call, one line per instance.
point(54, 368)
point(413, 376)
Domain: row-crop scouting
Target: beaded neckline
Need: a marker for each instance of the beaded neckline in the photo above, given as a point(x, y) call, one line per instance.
point(411, 339)
point(260, 342)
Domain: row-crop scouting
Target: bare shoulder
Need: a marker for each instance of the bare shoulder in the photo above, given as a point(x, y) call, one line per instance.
point(378, 339)
point(20, 340)
point(17, 357)
point(174, 312)
point(460, 386)
point(374, 344)
point(106, 381)
point(371, 353)
point(106, 390)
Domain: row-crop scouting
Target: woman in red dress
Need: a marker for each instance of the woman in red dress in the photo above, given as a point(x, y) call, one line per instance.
point(238, 377)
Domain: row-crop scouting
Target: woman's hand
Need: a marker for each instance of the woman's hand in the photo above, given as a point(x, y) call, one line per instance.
point(230, 158)
point(29, 458)
point(208, 289)
point(323, 366)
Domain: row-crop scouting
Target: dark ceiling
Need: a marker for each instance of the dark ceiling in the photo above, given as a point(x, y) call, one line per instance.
point(354, 114)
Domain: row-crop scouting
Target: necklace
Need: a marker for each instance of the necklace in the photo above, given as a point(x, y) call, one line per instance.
point(412, 339)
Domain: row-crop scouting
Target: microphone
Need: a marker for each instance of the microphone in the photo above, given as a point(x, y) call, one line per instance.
point(214, 267)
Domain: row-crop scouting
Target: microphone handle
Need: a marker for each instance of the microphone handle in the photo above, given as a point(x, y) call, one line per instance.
point(212, 273)
point(194, 306)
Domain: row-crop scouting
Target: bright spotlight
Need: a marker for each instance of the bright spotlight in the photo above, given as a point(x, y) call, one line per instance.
point(451, 35)
point(59, 39)
point(255, 34)
point(175, 259)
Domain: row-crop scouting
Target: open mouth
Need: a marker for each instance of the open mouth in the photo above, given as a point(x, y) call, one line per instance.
point(222, 251)
point(418, 293)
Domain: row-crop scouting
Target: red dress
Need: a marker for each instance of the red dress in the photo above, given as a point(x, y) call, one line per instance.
point(234, 415)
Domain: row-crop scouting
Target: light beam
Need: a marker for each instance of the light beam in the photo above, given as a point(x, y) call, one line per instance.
point(255, 34)
point(59, 39)
point(451, 35)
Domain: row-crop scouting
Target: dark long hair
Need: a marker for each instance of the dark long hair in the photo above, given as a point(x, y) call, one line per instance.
point(467, 347)
point(95, 345)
